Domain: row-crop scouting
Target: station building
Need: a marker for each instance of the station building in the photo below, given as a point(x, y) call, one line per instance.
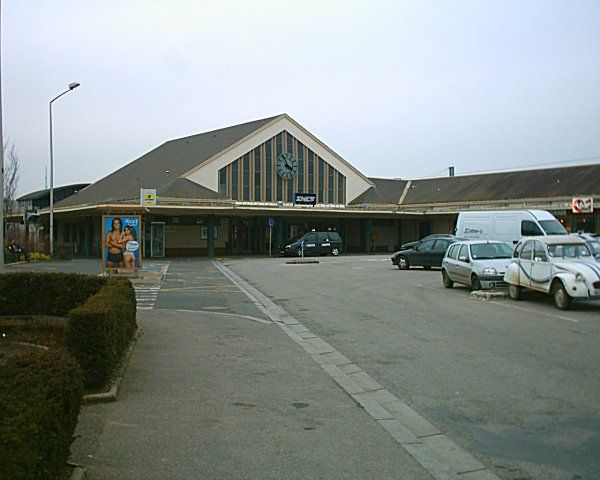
point(216, 192)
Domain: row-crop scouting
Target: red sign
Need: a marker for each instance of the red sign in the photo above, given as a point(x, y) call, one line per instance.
point(583, 205)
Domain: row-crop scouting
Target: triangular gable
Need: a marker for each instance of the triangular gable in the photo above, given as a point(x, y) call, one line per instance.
point(207, 173)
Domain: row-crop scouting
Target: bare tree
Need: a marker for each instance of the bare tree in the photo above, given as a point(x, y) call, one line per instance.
point(11, 179)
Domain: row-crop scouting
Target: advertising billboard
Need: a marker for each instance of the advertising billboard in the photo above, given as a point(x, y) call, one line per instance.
point(583, 205)
point(121, 236)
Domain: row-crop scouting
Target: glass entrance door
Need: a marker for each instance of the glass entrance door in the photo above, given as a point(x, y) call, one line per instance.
point(157, 239)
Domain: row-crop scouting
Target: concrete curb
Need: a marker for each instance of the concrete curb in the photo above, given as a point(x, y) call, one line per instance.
point(427, 445)
point(489, 294)
point(299, 261)
point(113, 392)
point(78, 473)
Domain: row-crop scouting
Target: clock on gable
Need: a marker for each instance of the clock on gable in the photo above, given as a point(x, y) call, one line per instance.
point(287, 165)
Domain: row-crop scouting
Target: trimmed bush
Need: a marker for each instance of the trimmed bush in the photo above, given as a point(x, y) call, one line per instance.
point(31, 293)
point(100, 330)
point(40, 397)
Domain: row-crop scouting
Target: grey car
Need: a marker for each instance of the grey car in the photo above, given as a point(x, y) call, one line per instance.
point(479, 264)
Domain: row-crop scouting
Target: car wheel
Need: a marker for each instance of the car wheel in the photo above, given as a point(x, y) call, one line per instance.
point(335, 252)
point(403, 263)
point(446, 280)
point(561, 298)
point(475, 283)
point(515, 292)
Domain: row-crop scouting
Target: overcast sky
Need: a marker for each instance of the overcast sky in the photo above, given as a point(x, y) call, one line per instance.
point(398, 88)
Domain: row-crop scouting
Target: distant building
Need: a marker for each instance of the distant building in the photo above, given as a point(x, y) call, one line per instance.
point(22, 223)
point(216, 192)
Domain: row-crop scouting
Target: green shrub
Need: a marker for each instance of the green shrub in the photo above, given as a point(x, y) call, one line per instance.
point(31, 293)
point(40, 397)
point(100, 330)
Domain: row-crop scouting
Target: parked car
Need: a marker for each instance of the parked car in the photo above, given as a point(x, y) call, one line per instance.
point(593, 244)
point(508, 226)
point(427, 253)
point(479, 264)
point(314, 243)
point(561, 266)
point(410, 245)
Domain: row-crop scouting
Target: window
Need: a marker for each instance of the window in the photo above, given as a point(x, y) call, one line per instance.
point(539, 253)
point(278, 179)
point(441, 245)
point(489, 251)
point(223, 182)
point(453, 252)
point(321, 192)
point(246, 178)
point(234, 179)
point(301, 168)
point(311, 172)
point(257, 175)
point(268, 172)
point(426, 245)
point(569, 250)
point(330, 184)
point(527, 252)
point(322, 237)
point(553, 227)
point(530, 229)
point(334, 236)
point(310, 238)
point(340, 188)
point(463, 253)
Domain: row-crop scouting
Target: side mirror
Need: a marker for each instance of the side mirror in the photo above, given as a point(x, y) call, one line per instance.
point(463, 259)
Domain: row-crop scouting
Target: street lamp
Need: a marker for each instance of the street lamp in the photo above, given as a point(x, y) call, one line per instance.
point(72, 86)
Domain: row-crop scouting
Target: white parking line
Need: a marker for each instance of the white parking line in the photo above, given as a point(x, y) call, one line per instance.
point(530, 310)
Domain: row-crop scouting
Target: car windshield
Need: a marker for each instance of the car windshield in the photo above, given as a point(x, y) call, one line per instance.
point(487, 251)
point(594, 247)
point(567, 250)
point(553, 227)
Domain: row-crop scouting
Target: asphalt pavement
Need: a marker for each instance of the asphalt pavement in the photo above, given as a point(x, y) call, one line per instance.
point(514, 383)
point(215, 390)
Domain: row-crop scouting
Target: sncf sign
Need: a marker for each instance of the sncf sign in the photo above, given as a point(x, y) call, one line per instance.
point(305, 199)
point(583, 205)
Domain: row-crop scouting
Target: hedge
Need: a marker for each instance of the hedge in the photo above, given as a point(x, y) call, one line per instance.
point(40, 397)
point(100, 330)
point(54, 294)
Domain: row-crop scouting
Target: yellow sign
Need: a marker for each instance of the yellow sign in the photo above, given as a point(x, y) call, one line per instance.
point(148, 196)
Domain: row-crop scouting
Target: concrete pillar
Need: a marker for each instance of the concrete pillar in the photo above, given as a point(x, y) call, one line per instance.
point(89, 236)
point(211, 235)
point(368, 232)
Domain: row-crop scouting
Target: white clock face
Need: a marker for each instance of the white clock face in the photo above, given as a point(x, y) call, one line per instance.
point(287, 165)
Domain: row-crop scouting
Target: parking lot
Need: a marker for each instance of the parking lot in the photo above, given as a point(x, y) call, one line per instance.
point(514, 383)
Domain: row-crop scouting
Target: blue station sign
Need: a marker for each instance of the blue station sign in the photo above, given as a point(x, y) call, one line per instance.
point(305, 199)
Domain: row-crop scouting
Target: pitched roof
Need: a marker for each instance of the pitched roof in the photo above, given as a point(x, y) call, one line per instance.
point(184, 188)
point(549, 182)
point(46, 191)
point(161, 166)
point(383, 191)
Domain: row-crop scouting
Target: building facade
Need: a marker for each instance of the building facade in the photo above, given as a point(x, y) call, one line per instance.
point(216, 192)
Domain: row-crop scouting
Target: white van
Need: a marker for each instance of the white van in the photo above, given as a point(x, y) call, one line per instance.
point(508, 226)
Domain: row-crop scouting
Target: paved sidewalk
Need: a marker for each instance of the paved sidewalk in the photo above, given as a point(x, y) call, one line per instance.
point(228, 395)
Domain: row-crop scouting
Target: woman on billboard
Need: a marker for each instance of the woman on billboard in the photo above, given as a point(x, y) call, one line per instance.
point(128, 242)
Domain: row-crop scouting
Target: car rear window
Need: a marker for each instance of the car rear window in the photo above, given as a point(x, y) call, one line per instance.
point(335, 237)
point(453, 252)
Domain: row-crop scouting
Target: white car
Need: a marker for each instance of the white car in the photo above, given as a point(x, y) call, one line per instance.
point(479, 264)
point(560, 265)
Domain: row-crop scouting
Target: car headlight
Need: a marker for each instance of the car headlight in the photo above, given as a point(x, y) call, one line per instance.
point(287, 246)
point(579, 278)
point(489, 271)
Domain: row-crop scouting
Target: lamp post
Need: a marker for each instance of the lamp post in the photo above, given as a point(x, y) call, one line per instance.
point(72, 86)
